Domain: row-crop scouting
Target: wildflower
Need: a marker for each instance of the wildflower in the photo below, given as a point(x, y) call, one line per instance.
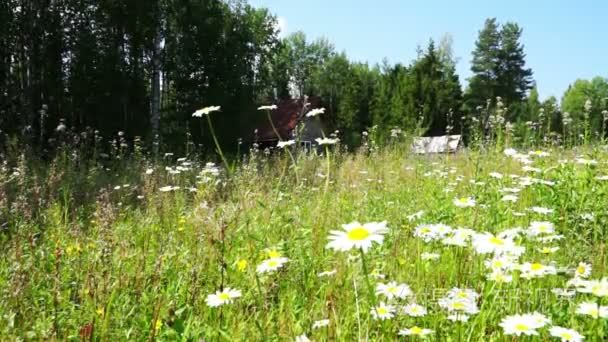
point(549, 250)
point(430, 232)
point(315, 112)
point(271, 265)
point(320, 324)
point(539, 228)
point(302, 338)
point(510, 152)
point(541, 210)
point(241, 265)
point(598, 288)
point(429, 256)
point(415, 216)
point(327, 141)
point(535, 270)
point(458, 237)
point(225, 296)
point(496, 175)
point(393, 290)
point(205, 111)
point(414, 310)
point(462, 301)
point(583, 270)
point(168, 188)
point(592, 309)
point(383, 311)
point(326, 273)
point(158, 324)
point(357, 235)
point(567, 335)
point(499, 276)
point(509, 198)
point(521, 324)
point(415, 331)
point(458, 318)
point(501, 262)
point(539, 153)
point(563, 292)
point(271, 107)
point(464, 202)
point(282, 144)
point(486, 243)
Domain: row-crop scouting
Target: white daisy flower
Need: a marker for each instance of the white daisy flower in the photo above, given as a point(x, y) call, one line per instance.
point(315, 112)
point(563, 292)
point(206, 111)
point(583, 270)
point(282, 144)
point(536, 270)
point(464, 202)
point(429, 256)
point(320, 323)
point(272, 264)
point(598, 288)
point(539, 228)
point(383, 311)
point(225, 296)
point(542, 210)
point(592, 309)
point(415, 331)
point(566, 335)
point(357, 235)
point(271, 107)
point(393, 290)
point(520, 325)
point(326, 141)
point(414, 310)
point(302, 338)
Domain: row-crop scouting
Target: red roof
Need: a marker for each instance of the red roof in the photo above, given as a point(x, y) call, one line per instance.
point(285, 118)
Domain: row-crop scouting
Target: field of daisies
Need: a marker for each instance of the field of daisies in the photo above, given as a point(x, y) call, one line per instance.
point(497, 244)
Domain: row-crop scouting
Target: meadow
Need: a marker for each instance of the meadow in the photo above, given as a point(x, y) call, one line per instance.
point(488, 244)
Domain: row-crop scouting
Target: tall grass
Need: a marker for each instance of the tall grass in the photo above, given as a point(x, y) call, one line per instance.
point(129, 247)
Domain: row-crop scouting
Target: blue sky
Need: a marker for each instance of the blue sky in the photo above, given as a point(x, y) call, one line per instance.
point(564, 39)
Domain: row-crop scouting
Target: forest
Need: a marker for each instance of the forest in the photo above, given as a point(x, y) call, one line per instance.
point(141, 68)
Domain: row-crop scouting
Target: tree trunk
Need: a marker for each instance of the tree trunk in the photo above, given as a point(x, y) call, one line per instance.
point(155, 96)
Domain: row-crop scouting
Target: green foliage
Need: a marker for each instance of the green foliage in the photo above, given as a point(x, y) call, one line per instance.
point(577, 95)
point(498, 67)
point(95, 250)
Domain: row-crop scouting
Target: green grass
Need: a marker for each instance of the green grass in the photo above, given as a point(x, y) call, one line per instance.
point(82, 259)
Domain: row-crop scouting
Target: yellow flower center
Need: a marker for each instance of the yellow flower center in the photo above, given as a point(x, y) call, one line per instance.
point(580, 270)
point(273, 263)
point(223, 296)
point(358, 234)
point(463, 200)
point(567, 336)
point(392, 290)
point(273, 253)
point(416, 330)
point(521, 327)
point(594, 312)
point(536, 267)
point(425, 230)
point(496, 241)
point(382, 311)
point(458, 306)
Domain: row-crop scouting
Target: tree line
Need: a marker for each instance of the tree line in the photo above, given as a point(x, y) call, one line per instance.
point(142, 67)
